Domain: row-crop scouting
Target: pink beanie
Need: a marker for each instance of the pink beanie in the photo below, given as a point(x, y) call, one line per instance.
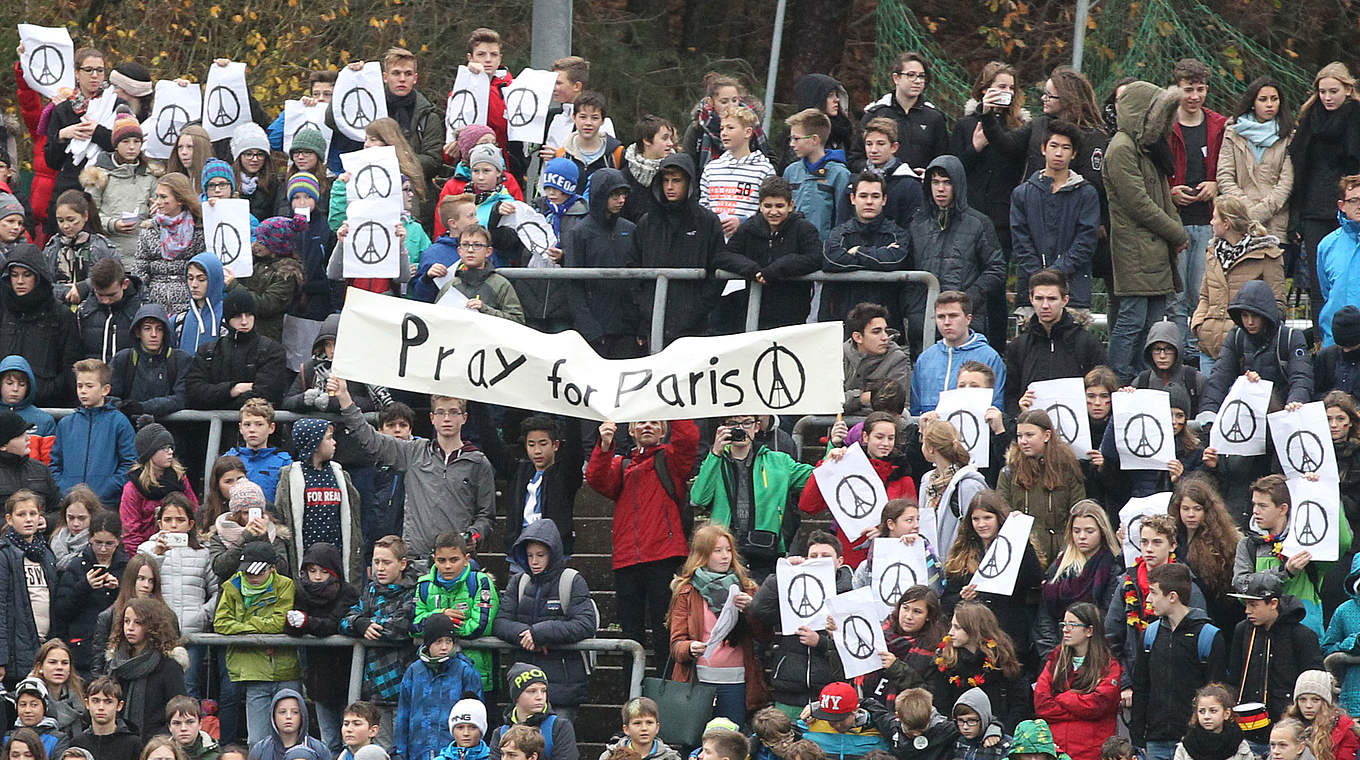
point(468, 137)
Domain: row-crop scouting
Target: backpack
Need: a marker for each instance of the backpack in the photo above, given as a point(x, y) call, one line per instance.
point(1282, 340)
point(663, 473)
point(1204, 644)
point(564, 582)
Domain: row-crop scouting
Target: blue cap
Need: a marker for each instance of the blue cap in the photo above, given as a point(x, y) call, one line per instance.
point(563, 174)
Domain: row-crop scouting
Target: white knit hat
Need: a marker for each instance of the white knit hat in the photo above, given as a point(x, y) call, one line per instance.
point(468, 711)
point(248, 136)
point(1317, 682)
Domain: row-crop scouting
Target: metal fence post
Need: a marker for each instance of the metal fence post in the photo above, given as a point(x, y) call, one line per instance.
point(754, 293)
point(356, 671)
point(658, 339)
point(214, 448)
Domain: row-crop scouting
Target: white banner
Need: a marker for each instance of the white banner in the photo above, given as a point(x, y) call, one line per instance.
point(896, 568)
point(1314, 520)
point(1142, 429)
point(1303, 442)
point(49, 59)
point(374, 180)
point(101, 112)
point(534, 231)
point(1000, 564)
point(359, 98)
point(853, 491)
point(527, 101)
point(803, 592)
point(427, 348)
point(966, 409)
point(1240, 427)
point(174, 108)
point(226, 100)
point(469, 102)
point(297, 117)
point(1131, 520)
point(1065, 401)
point(226, 232)
point(859, 631)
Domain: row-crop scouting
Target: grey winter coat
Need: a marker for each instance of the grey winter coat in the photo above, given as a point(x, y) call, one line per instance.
point(118, 189)
point(188, 584)
point(100, 247)
point(1056, 231)
point(1293, 378)
point(862, 371)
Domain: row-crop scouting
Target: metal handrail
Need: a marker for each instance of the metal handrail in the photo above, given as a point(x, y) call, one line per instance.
point(356, 667)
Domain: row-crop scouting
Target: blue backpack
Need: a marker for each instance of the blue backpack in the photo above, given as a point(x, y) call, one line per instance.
point(1204, 643)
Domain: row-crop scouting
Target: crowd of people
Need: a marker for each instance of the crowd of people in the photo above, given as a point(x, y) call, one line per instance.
point(1213, 644)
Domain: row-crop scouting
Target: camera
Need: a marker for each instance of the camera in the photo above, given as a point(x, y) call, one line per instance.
point(738, 434)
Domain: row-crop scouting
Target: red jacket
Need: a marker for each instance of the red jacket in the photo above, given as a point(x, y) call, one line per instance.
point(1080, 722)
point(1213, 140)
point(1344, 740)
point(811, 501)
point(647, 524)
point(31, 109)
point(495, 117)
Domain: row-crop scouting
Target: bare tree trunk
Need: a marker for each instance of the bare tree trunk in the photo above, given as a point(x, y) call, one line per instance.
point(814, 39)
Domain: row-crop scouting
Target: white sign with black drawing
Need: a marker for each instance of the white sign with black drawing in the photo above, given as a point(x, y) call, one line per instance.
point(1000, 564)
point(1240, 427)
point(535, 232)
point(226, 100)
point(49, 59)
point(853, 491)
point(374, 180)
point(468, 103)
point(226, 230)
point(896, 568)
point(1142, 429)
point(966, 409)
point(175, 108)
point(527, 101)
point(297, 117)
point(859, 631)
point(1303, 442)
point(1131, 520)
point(1065, 401)
point(1314, 520)
point(358, 99)
point(371, 248)
point(803, 591)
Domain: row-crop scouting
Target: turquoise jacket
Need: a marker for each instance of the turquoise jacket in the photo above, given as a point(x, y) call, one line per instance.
point(1337, 257)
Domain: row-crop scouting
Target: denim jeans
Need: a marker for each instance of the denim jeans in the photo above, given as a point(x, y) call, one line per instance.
point(328, 720)
point(1190, 264)
point(1161, 750)
point(1136, 315)
point(731, 703)
point(1206, 365)
point(259, 712)
point(228, 702)
point(193, 677)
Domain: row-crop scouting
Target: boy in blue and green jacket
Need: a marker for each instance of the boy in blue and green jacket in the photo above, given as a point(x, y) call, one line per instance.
point(455, 588)
point(383, 613)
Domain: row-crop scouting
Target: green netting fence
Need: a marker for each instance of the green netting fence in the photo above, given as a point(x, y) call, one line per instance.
point(899, 30)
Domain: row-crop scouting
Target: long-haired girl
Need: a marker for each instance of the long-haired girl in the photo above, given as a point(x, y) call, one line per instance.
point(978, 653)
point(1087, 571)
point(1042, 479)
point(986, 515)
point(1078, 690)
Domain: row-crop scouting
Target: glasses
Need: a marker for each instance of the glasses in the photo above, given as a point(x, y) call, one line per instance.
point(218, 184)
point(1163, 350)
point(473, 246)
point(913, 75)
point(450, 413)
point(968, 722)
point(255, 154)
point(91, 69)
point(1049, 96)
point(748, 424)
point(104, 544)
point(796, 138)
point(1067, 624)
point(1351, 202)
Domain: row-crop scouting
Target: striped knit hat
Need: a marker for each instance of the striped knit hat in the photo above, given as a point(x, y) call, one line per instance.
point(216, 168)
point(304, 182)
point(279, 234)
point(125, 128)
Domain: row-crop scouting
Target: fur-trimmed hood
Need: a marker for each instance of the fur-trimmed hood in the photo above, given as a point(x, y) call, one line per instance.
point(971, 107)
point(1146, 111)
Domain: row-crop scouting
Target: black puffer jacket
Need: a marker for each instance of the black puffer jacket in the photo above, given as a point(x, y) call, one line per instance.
point(1263, 666)
point(1037, 354)
point(1288, 367)
point(78, 605)
point(237, 358)
point(106, 329)
point(799, 671)
point(1165, 680)
point(880, 246)
point(602, 307)
point(793, 250)
point(921, 132)
point(155, 381)
point(39, 329)
point(324, 604)
point(22, 471)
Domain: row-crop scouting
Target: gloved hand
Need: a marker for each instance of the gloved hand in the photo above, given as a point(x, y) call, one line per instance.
point(130, 407)
point(296, 618)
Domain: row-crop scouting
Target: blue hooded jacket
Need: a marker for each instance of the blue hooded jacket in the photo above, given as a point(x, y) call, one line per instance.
point(1338, 275)
point(272, 748)
point(43, 423)
point(201, 325)
point(444, 250)
point(427, 691)
point(937, 369)
point(262, 466)
point(94, 446)
point(454, 752)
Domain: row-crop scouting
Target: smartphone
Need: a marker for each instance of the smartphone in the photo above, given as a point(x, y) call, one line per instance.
point(254, 513)
point(100, 569)
point(174, 540)
point(1005, 98)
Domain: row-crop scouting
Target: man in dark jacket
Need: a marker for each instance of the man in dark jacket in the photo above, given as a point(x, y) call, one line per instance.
point(955, 242)
point(904, 185)
point(421, 122)
point(1052, 345)
point(868, 242)
point(678, 233)
point(36, 327)
point(921, 130)
point(149, 376)
point(1260, 343)
point(603, 310)
point(106, 315)
point(545, 482)
point(774, 245)
point(240, 365)
point(1337, 367)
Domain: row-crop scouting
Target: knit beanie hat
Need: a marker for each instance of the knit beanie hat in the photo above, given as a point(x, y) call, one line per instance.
point(239, 301)
point(10, 205)
point(521, 676)
point(32, 685)
point(467, 711)
point(468, 137)
point(309, 140)
point(563, 174)
point(436, 627)
point(1180, 399)
point(486, 154)
point(133, 78)
point(279, 235)
point(216, 168)
point(125, 128)
point(246, 494)
point(248, 136)
point(1316, 682)
point(304, 182)
point(151, 439)
point(1346, 326)
point(307, 435)
point(371, 752)
point(11, 426)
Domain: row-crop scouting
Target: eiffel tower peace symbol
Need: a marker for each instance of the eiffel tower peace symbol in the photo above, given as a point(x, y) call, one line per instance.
point(805, 595)
point(778, 377)
point(221, 106)
point(371, 242)
point(1237, 421)
point(46, 65)
point(857, 633)
point(998, 558)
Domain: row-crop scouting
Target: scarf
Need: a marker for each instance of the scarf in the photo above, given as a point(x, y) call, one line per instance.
point(133, 671)
point(251, 592)
point(1229, 254)
point(1202, 745)
point(163, 486)
point(70, 261)
point(176, 234)
point(938, 483)
point(986, 653)
point(1137, 610)
point(482, 196)
point(71, 543)
point(1334, 127)
point(249, 184)
point(712, 586)
point(1062, 591)
point(642, 168)
point(1259, 135)
point(324, 592)
point(79, 102)
point(710, 125)
point(233, 534)
point(555, 213)
point(402, 108)
point(33, 548)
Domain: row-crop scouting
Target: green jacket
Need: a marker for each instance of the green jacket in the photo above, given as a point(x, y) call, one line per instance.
point(474, 594)
point(774, 476)
point(204, 748)
point(498, 295)
point(265, 615)
point(1048, 508)
point(1145, 226)
point(275, 282)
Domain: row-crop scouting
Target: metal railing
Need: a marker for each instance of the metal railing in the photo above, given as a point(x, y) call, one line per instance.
point(360, 646)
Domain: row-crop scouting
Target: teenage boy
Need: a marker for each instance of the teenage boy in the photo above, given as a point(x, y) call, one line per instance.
point(288, 728)
point(1195, 140)
point(389, 482)
point(484, 56)
point(1269, 651)
point(18, 388)
point(107, 738)
point(603, 311)
point(654, 138)
point(572, 75)
point(1180, 651)
point(837, 723)
point(1300, 577)
point(320, 88)
point(641, 727)
point(202, 323)
point(870, 357)
point(316, 500)
point(529, 708)
point(94, 443)
point(772, 246)
point(1335, 367)
point(440, 676)
point(1167, 367)
point(449, 484)
point(522, 743)
point(868, 242)
point(457, 213)
point(819, 178)
point(1055, 221)
point(420, 120)
point(467, 725)
point(880, 154)
point(149, 375)
point(724, 744)
point(747, 489)
point(483, 288)
point(589, 147)
point(1337, 258)
point(106, 316)
point(939, 366)
point(240, 365)
point(358, 728)
point(384, 613)
point(36, 327)
point(185, 719)
point(548, 478)
point(1052, 345)
point(263, 462)
point(1260, 344)
point(921, 129)
point(455, 589)
point(728, 181)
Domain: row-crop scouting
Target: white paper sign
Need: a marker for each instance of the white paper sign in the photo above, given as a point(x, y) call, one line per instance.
point(896, 568)
point(727, 618)
point(1131, 519)
point(1142, 429)
point(226, 232)
point(226, 100)
point(297, 117)
point(803, 592)
point(453, 297)
point(561, 127)
point(101, 112)
point(527, 101)
point(49, 59)
point(853, 491)
point(1065, 401)
point(1303, 442)
point(966, 410)
point(1240, 427)
point(375, 181)
point(371, 249)
point(1314, 520)
point(426, 348)
point(175, 107)
point(534, 230)
point(469, 102)
point(859, 631)
point(1000, 564)
point(358, 99)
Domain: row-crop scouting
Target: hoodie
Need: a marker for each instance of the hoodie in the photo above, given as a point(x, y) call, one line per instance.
point(1180, 375)
point(1264, 662)
point(319, 504)
point(602, 307)
point(202, 323)
point(151, 383)
point(41, 425)
point(812, 91)
point(1343, 640)
point(822, 190)
point(39, 329)
point(1056, 230)
point(1289, 367)
point(937, 369)
point(272, 747)
point(976, 700)
point(658, 751)
point(323, 605)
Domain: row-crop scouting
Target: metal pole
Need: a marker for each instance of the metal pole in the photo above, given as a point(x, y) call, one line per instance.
point(659, 314)
point(551, 32)
point(776, 42)
point(356, 671)
point(754, 292)
point(1079, 32)
point(214, 447)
